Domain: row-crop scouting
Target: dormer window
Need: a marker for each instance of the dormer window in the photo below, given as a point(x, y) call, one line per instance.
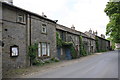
point(21, 18)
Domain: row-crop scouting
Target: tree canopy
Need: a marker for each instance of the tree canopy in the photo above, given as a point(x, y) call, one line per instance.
point(113, 27)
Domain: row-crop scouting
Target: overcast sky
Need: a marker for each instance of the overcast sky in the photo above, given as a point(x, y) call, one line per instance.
point(83, 14)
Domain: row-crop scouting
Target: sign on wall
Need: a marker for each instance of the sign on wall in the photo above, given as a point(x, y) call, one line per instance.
point(14, 51)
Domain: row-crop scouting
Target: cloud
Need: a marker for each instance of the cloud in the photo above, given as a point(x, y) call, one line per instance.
point(88, 14)
point(84, 14)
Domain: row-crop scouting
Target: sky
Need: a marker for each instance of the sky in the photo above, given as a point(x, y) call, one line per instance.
point(83, 14)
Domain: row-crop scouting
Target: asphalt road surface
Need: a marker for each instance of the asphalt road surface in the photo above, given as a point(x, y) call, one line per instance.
point(102, 65)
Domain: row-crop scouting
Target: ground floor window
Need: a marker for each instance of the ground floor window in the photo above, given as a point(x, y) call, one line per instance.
point(14, 52)
point(43, 49)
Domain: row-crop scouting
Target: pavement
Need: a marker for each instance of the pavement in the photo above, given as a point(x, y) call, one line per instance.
point(100, 65)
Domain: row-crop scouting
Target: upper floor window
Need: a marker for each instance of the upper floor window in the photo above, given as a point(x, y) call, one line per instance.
point(21, 18)
point(44, 28)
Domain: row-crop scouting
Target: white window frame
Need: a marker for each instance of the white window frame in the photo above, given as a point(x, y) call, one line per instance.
point(22, 16)
point(44, 27)
point(39, 50)
point(43, 47)
point(48, 49)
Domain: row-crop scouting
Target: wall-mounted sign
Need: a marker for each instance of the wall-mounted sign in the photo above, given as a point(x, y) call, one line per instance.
point(14, 51)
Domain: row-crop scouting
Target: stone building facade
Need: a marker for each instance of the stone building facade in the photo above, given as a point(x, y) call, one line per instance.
point(68, 35)
point(89, 42)
point(20, 29)
point(103, 44)
point(72, 35)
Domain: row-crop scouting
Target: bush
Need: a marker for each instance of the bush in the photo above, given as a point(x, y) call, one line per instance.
point(84, 53)
point(73, 52)
point(54, 59)
point(47, 61)
point(82, 49)
point(41, 62)
point(38, 62)
point(32, 52)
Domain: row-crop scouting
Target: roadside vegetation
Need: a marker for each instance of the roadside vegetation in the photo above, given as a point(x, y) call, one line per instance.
point(32, 53)
point(112, 10)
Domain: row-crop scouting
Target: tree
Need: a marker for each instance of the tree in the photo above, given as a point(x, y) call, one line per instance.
point(113, 27)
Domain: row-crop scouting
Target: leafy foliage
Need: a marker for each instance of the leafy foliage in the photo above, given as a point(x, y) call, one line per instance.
point(41, 62)
point(112, 7)
point(59, 40)
point(113, 27)
point(61, 43)
point(38, 62)
point(73, 52)
point(54, 59)
point(82, 49)
point(67, 44)
point(97, 44)
point(32, 53)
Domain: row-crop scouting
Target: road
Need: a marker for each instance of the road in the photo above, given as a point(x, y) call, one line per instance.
point(102, 65)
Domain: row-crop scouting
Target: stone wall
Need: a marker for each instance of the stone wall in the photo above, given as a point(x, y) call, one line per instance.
point(22, 34)
point(103, 44)
point(48, 37)
point(0, 41)
point(68, 35)
point(14, 33)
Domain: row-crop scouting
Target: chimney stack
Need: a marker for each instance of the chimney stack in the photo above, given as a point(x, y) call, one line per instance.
point(90, 31)
point(103, 36)
point(73, 27)
point(43, 14)
point(96, 33)
point(7, 1)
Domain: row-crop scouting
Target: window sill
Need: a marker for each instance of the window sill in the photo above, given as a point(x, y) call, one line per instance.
point(14, 56)
point(23, 23)
point(44, 33)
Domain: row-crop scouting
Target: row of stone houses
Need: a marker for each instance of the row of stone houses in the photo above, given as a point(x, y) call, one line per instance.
point(72, 35)
point(22, 28)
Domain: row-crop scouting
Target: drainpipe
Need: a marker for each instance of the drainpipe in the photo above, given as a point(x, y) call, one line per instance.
point(28, 35)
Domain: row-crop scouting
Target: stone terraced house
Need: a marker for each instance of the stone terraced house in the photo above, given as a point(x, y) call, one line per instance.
point(20, 28)
point(72, 35)
point(67, 35)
